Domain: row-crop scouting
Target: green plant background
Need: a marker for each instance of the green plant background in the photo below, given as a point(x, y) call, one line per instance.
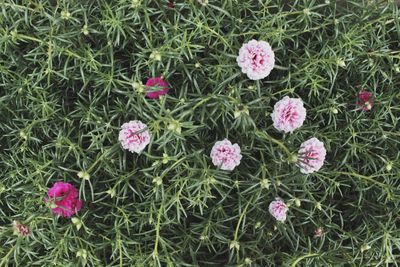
point(70, 74)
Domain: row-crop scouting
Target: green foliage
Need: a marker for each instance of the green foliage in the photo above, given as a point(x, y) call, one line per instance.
point(71, 74)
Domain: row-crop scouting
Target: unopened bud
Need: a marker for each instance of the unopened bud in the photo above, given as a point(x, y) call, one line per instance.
point(297, 202)
point(389, 166)
point(265, 183)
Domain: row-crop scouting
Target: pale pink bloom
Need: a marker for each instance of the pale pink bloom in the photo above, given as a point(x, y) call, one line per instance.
point(65, 199)
point(155, 87)
point(278, 209)
point(225, 155)
point(289, 114)
point(134, 136)
point(256, 59)
point(319, 232)
point(311, 155)
point(20, 229)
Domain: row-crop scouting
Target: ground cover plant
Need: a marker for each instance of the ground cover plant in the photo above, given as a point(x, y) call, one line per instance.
point(216, 164)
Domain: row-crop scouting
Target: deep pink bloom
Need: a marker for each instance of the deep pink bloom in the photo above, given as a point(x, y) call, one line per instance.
point(311, 155)
point(65, 197)
point(256, 59)
point(226, 155)
point(365, 100)
point(134, 136)
point(155, 87)
point(170, 4)
point(278, 209)
point(289, 114)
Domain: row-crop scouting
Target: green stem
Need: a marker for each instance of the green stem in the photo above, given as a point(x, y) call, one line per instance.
point(240, 221)
point(100, 158)
point(120, 251)
point(273, 140)
point(155, 252)
point(363, 177)
point(5, 258)
point(26, 37)
point(235, 237)
point(303, 257)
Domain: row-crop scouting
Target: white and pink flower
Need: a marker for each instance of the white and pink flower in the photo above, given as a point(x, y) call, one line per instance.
point(311, 156)
point(226, 155)
point(134, 136)
point(278, 209)
point(289, 114)
point(256, 59)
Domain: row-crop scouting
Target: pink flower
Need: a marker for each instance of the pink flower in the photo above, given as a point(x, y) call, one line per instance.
point(256, 59)
point(170, 4)
point(278, 209)
point(289, 114)
point(156, 87)
point(134, 136)
point(225, 155)
point(64, 198)
point(319, 232)
point(365, 100)
point(311, 156)
point(20, 229)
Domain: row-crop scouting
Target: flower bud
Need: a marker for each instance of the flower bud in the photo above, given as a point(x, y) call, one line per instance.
point(341, 63)
point(77, 222)
point(111, 192)
point(20, 229)
point(175, 126)
point(389, 166)
point(297, 202)
point(241, 110)
point(293, 158)
point(157, 180)
point(165, 158)
point(82, 253)
point(203, 2)
point(85, 30)
point(23, 135)
point(65, 15)
point(155, 55)
point(135, 3)
point(234, 244)
point(248, 261)
point(265, 183)
point(365, 247)
point(84, 175)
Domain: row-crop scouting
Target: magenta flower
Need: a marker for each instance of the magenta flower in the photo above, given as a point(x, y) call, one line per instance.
point(289, 114)
point(134, 136)
point(225, 155)
point(156, 87)
point(278, 209)
point(256, 59)
point(365, 100)
point(64, 198)
point(170, 4)
point(311, 156)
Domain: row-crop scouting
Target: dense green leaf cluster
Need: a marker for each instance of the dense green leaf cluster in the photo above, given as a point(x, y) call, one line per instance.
point(71, 74)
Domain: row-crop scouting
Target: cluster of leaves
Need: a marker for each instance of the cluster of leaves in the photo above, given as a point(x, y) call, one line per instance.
point(71, 74)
